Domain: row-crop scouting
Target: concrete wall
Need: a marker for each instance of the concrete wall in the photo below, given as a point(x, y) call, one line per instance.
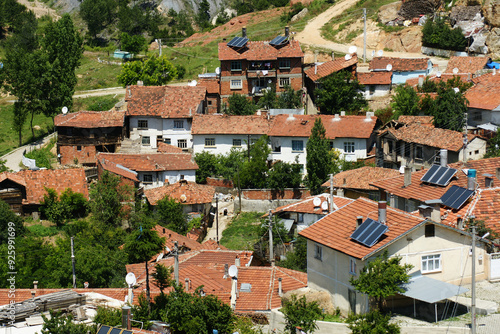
point(380, 90)
point(166, 177)
point(260, 205)
point(162, 127)
point(223, 143)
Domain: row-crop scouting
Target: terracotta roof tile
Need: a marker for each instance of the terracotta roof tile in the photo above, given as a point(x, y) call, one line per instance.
point(151, 162)
point(91, 119)
point(375, 78)
point(406, 119)
point(211, 84)
point(361, 178)
point(164, 101)
point(260, 51)
point(342, 127)
point(466, 64)
point(399, 64)
point(171, 236)
point(334, 230)
point(225, 124)
point(484, 94)
point(332, 66)
point(117, 169)
point(183, 192)
point(307, 205)
point(167, 148)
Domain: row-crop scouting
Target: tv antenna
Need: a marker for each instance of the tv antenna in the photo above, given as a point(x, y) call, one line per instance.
point(347, 57)
point(455, 70)
point(324, 206)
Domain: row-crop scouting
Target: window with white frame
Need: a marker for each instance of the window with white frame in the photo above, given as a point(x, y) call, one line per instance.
point(284, 82)
point(431, 263)
point(147, 178)
point(142, 124)
point(236, 84)
point(236, 65)
point(349, 147)
point(182, 143)
point(318, 252)
point(352, 266)
point(178, 124)
point(237, 142)
point(146, 140)
point(297, 145)
point(210, 142)
point(284, 63)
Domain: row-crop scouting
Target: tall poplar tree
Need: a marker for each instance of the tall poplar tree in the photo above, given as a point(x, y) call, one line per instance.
point(318, 158)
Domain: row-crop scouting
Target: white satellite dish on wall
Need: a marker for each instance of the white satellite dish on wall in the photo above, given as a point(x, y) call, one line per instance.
point(192, 83)
point(455, 70)
point(353, 49)
point(64, 110)
point(380, 53)
point(130, 279)
point(217, 70)
point(388, 67)
point(347, 57)
point(317, 201)
point(438, 74)
point(324, 205)
point(233, 271)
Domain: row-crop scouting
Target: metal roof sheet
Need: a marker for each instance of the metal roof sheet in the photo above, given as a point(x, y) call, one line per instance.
point(430, 290)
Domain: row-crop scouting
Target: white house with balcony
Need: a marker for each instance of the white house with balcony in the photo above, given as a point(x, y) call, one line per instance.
point(163, 114)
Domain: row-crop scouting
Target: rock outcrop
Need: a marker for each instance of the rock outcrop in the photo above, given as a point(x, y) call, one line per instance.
point(493, 42)
point(491, 12)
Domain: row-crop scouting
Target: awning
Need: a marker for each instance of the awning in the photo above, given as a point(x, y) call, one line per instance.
point(488, 126)
point(288, 223)
point(430, 290)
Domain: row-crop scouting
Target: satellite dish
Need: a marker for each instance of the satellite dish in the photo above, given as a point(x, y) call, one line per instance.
point(455, 70)
point(324, 205)
point(348, 57)
point(438, 74)
point(353, 49)
point(233, 271)
point(402, 169)
point(192, 83)
point(380, 53)
point(64, 110)
point(388, 67)
point(316, 201)
point(217, 70)
point(130, 279)
point(457, 90)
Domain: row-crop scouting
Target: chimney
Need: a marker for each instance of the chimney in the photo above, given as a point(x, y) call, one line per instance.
point(498, 173)
point(140, 83)
point(420, 81)
point(460, 222)
point(315, 68)
point(337, 117)
point(425, 211)
point(340, 192)
point(280, 287)
point(443, 155)
point(287, 31)
point(186, 283)
point(315, 56)
point(342, 113)
point(126, 317)
point(226, 270)
point(237, 261)
point(35, 285)
point(471, 179)
point(333, 55)
point(359, 221)
point(382, 212)
point(488, 180)
point(33, 293)
point(407, 179)
point(436, 209)
point(244, 32)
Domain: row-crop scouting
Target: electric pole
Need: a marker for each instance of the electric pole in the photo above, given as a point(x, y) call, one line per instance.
point(331, 193)
point(73, 262)
point(176, 263)
point(271, 250)
point(473, 282)
point(465, 138)
point(217, 217)
point(364, 36)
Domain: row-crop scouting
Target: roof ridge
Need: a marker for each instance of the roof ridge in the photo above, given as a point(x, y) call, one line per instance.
point(287, 274)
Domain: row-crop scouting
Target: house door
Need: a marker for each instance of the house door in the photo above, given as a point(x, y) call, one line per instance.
point(352, 301)
point(494, 266)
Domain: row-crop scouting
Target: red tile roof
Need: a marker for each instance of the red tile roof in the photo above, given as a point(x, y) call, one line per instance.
point(164, 101)
point(375, 78)
point(484, 94)
point(183, 192)
point(118, 169)
point(184, 242)
point(361, 178)
point(260, 51)
point(399, 64)
point(211, 84)
point(341, 127)
point(226, 124)
point(58, 179)
point(151, 162)
point(486, 207)
point(406, 119)
point(320, 71)
point(91, 119)
point(167, 148)
point(466, 64)
point(334, 230)
point(307, 205)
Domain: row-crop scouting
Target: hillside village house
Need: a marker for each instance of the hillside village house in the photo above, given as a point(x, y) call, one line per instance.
point(471, 66)
point(248, 67)
point(484, 100)
point(81, 135)
point(163, 114)
point(437, 252)
point(375, 83)
point(212, 83)
point(402, 68)
point(155, 169)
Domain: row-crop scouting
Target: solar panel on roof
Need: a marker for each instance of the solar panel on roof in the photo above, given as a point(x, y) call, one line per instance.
point(127, 332)
point(439, 175)
point(278, 40)
point(369, 232)
point(115, 331)
point(238, 42)
point(104, 330)
point(456, 196)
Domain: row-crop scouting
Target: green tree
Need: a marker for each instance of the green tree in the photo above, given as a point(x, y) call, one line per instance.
point(290, 99)
point(155, 71)
point(493, 148)
point(203, 17)
point(134, 44)
point(207, 164)
point(381, 278)
point(240, 105)
point(11, 225)
point(319, 158)
point(162, 277)
point(373, 322)
point(253, 174)
point(51, 207)
point(269, 99)
point(284, 175)
point(59, 323)
point(339, 92)
point(170, 214)
point(448, 108)
point(97, 14)
point(299, 312)
point(108, 316)
point(436, 33)
point(296, 259)
point(405, 101)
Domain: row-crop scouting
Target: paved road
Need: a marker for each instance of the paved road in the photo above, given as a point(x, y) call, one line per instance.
point(14, 157)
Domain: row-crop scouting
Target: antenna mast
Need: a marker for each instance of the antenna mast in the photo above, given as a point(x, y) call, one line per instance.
point(271, 250)
point(73, 262)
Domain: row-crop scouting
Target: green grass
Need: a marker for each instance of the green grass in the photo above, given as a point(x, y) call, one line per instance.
point(96, 103)
point(39, 230)
point(332, 318)
point(243, 232)
point(94, 75)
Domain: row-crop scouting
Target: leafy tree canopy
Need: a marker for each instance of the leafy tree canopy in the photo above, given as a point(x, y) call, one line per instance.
point(171, 215)
point(134, 44)
point(373, 322)
point(154, 71)
point(319, 162)
point(339, 92)
point(11, 225)
point(98, 14)
point(240, 105)
point(253, 174)
point(437, 34)
point(59, 323)
point(300, 313)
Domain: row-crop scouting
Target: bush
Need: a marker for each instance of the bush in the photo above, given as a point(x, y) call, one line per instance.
point(68, 206)
point(373, 322)
point(437, 34)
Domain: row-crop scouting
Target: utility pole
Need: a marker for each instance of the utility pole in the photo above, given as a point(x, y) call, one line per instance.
point(364, 36)
point(73, 262)
point(271, 250)
point(239, 186)
point(176, 263)
point(217, 217)
point(331, 193)
point(465, 138)
point(473, 292)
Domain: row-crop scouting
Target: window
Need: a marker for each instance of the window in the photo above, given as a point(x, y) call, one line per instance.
point(437, 157)
point(284, 82)
point(181, 177)
point(390, 144)
point(407, 149)
point(209, 102)
point(318, 252)
point(182, 143)
point(236, 66)
point(210, 142)
point(236, 84)
point(237, 142)
point(477, 116)
point(284, 63)
point(372, 89)
point(142, 124)
point(178, 124)
point(79, 148)
point(297, 145)
point(352, 267)
point(145, 140)
point(430, 230)
point(167, 141)
point(300, 217)
point(419, 152)
point(147, 178)
point(431, 263)
point(349, 147)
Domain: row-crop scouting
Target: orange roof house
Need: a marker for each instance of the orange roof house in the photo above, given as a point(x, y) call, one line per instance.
point(184, 192)
point(466, 65)
point(402, 68)
point(375, 83)
point(484, 100)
